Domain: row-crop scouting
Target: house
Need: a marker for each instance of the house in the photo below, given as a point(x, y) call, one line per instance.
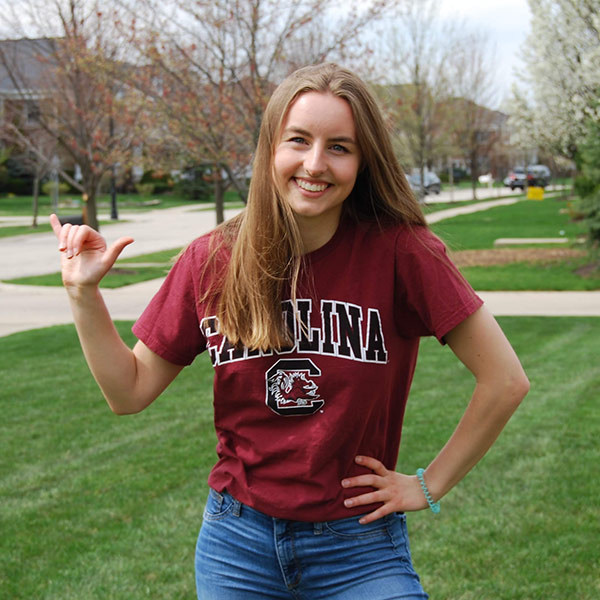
point(26, 91)
point(23, 65)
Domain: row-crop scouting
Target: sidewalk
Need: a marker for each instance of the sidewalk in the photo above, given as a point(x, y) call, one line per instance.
point(27, 307)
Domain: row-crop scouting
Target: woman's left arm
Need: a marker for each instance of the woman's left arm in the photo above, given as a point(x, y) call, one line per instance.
point(500, 385)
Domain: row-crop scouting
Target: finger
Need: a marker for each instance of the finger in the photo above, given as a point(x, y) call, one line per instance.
point(70, 241)
point(55, 224)
point(79, 237)
point(112, 253)
point(63, 236)
point(371, 463)
point(381, 512)
point(368, 498)
point(369, 480)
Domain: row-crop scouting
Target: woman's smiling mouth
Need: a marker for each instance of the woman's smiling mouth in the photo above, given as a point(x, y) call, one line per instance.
point(311, 187)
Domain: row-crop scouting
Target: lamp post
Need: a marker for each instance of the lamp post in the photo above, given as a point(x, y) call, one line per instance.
point(114, 215)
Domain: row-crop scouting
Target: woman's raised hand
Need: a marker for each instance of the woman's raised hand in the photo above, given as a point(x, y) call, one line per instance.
point(85, 256)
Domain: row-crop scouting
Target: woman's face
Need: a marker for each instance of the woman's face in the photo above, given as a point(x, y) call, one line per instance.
point(317, 160)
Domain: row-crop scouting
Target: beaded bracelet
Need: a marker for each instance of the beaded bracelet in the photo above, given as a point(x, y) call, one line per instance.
point(434, 506)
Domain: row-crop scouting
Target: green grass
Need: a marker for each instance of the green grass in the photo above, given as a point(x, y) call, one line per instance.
point(126, 271)
point(162, 256)
point(21, 205)
point(93, 505)
point(525, 523)
point(526, 219)
point(538, 276)
point(96, 506)
point(117, 277)
point(12, 230)
point(433, 206)
point(547, 219)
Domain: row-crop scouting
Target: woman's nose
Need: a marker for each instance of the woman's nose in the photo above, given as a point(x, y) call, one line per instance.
point(314, 161)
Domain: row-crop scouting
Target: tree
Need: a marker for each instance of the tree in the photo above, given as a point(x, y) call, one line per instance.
point(82, 100)
point(210, 68)
point(417, 49)
point(476, 128)
point(562, 111)
point(587, 183)
point(562, 58)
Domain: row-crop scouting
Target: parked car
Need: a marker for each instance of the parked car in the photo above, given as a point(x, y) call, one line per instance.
point(517, 178)
point(534, 175)
point(431, 183)
point(538, 175)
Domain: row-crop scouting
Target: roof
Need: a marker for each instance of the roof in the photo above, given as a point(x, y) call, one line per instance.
point(22, 65)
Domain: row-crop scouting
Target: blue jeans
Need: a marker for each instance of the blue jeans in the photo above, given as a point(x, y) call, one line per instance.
point(243, 554)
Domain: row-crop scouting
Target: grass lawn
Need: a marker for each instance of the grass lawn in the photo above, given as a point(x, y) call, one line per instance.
point(11, 230)
point(125, 272)
point(96, 506)
point(557, 275)
point(525, 219)
point(22, 205)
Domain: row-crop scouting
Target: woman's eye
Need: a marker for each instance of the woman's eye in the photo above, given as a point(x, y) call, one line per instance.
point(339, 148)
point(297, 140)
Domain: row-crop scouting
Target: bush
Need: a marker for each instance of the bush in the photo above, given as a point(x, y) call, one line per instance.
point(590, 207)
point(49, 187)
point(458, 175)
point(144, 189)
point(162, 181)
point(587, 184)
point(194, 183)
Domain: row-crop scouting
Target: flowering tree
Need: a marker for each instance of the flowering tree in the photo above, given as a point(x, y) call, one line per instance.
point(562, 111)
point(562, 55)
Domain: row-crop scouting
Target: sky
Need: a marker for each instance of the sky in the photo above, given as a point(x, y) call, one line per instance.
point(508, 24)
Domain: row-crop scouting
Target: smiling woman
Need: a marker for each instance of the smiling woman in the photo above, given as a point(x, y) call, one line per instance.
point(311, 305)
point(316, 163)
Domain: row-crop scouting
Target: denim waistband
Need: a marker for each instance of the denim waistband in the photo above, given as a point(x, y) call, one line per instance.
point(238, 509)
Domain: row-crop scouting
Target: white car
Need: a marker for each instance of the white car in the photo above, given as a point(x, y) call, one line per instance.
point(432, 182)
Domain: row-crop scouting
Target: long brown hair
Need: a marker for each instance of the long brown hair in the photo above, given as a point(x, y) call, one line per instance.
point(264, 240)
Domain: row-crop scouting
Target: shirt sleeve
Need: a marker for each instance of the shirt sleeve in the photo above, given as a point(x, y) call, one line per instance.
point(169, 325)
point(432, 296)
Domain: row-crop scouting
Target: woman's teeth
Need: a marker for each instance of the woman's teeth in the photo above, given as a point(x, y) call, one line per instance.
point(311, 187)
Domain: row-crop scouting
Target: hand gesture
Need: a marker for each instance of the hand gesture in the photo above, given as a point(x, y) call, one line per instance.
point(396, 491)
point(85, 257)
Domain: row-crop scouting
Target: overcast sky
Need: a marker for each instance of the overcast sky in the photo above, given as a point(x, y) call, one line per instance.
point(506, 21)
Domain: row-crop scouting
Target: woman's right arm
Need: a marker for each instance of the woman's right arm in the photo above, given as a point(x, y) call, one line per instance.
point(129, 379)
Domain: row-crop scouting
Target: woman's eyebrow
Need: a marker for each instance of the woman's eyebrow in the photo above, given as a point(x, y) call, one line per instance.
point(305, 133)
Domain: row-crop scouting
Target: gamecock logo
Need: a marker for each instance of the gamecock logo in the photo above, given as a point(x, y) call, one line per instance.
point(290, 388)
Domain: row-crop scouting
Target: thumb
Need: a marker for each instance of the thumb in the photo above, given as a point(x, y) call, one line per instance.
point(113, 251)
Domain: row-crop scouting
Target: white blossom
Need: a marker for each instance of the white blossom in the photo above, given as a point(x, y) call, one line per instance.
point(562, 57)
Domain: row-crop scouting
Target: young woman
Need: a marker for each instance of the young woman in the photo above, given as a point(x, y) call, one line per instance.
point(311, 304)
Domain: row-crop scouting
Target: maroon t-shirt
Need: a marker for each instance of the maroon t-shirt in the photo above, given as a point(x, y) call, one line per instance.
point(290, 423)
